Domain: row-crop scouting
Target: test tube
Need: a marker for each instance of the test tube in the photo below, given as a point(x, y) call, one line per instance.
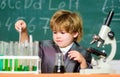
point(21, 53)
point(16, 54)
point(27, 53)
point(35, 53)
point(5, 65)
point(31, 61)
point(35, 48)
point(1, 54)
point(11, 51)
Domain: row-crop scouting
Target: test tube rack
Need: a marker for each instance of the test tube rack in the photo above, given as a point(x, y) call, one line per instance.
point(30, 58)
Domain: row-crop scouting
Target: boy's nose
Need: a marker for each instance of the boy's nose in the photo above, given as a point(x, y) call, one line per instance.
point(58, 35)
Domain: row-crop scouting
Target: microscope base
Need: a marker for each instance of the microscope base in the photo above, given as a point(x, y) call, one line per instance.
point(97, 71)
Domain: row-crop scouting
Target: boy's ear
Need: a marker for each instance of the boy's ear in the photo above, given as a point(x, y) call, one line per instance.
point(75, 34)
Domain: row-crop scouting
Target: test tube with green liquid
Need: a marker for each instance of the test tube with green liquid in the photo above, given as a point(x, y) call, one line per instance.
point(9, 65)
point(34, 65)
point(5, 65)
point(35, 53)
point(5, 61)
point(16, 65)
point(16, 54)
point(7, 52)
point(1, 54)
point(1, 64)
point(11, 53)
point(21, 62)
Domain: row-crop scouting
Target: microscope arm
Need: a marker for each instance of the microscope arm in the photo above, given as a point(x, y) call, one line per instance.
point(112, 42)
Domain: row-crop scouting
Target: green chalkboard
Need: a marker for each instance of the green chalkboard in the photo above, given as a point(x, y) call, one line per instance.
point(37, 14)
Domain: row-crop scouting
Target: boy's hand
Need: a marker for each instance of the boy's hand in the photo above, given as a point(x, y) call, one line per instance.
point(20, 25)
point(75, 55)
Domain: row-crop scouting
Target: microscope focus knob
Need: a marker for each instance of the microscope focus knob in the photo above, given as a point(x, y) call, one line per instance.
point(111, 35)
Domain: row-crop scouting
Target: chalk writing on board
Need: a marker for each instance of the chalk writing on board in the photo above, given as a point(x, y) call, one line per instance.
point(46, 24)
point(37, 4)
point(31, 27)
point(19, 4)
point(62, 4)
point(111, 4)
point(8, 23)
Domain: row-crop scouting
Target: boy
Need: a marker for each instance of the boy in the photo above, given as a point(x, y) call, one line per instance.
point(67, 32)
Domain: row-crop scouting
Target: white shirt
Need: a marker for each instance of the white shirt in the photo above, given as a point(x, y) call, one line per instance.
point(65, 50)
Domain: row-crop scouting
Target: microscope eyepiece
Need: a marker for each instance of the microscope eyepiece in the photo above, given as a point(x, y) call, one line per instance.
point(109, 18)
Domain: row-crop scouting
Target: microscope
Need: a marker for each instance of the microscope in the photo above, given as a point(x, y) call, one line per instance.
point(105, 37)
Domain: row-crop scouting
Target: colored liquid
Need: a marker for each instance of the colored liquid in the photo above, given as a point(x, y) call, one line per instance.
point(7, 65)
point(26, 68)
point(1, 64)
point(34, 68)
point(16, 65)
point(59, 69)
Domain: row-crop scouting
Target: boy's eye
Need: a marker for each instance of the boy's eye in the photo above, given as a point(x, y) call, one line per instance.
point(54, 32)
point(62, 32)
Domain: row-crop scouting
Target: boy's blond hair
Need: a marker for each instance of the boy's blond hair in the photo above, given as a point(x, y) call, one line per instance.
point(69, 21)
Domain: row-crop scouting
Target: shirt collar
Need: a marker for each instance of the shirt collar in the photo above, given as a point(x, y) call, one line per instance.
point(66, 49)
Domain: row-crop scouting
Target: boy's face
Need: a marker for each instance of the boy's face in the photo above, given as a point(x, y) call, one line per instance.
point(63, 38)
